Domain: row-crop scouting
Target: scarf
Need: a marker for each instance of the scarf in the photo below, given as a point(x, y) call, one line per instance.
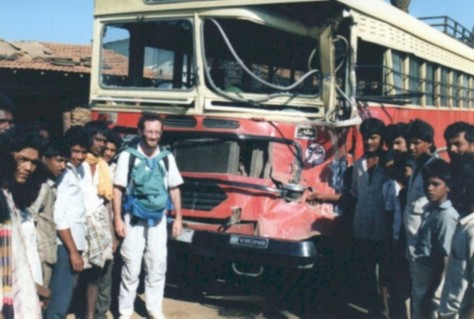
point(104, 187)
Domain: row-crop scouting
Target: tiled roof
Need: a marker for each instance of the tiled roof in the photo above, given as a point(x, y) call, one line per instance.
point(44, 56)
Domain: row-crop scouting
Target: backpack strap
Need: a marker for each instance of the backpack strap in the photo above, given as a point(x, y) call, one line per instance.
point(134, 153)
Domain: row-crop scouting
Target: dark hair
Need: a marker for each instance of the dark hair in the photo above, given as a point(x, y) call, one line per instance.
point(17, 139)
point(56, 147)
point(41, 125)
point(457, 128)
point(6, 104)
point(421, 130)
point(437, 168)
point(372, 126)
point(114, 138)
point(20, 137)
point(397, 171)
point(463, 184)
point(96, 127)
point(394, 131)
point(77, 135)
point(148, 116)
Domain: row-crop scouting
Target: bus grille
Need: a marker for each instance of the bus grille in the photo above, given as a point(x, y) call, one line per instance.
point(219, 123)
point(180, 121)
point(201, 196)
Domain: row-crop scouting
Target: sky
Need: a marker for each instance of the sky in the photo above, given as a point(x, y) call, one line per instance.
point(70, 21)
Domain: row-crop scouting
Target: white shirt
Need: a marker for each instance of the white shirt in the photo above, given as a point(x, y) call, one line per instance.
point(69, 209)
point(90, 182)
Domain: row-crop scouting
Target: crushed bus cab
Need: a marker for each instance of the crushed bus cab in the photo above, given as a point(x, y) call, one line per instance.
point(261, 101)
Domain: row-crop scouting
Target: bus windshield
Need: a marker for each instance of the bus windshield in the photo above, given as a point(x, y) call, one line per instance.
point(239, 56)
point(148, 54)
point(247, 57)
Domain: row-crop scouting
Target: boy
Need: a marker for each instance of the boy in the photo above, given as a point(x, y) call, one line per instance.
point(69, 217)
point(433, 241)
point(97, 190)
point(54, 160)
point(104, 300)
point(420, 139)
point(113, 144)
point(457, 299)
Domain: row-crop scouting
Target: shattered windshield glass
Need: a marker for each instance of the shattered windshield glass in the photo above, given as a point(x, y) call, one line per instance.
point(151, 54)
point(246, 57)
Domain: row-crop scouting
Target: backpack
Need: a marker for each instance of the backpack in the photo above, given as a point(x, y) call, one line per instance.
point(149, 198)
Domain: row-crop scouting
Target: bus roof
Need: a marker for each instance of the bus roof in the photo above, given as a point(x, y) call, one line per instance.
point(380, 14)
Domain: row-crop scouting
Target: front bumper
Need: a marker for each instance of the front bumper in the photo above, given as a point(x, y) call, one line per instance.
point(257, 250)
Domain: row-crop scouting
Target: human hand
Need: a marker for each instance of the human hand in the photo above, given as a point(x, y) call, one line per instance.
point(315, 198)
point(115, 243)
point(120, 228)
point(77, 262)
point(177, 226)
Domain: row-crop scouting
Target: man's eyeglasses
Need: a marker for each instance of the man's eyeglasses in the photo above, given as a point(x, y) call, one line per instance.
point(6, 121)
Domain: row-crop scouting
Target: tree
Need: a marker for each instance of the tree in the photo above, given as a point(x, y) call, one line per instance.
point(401, 4)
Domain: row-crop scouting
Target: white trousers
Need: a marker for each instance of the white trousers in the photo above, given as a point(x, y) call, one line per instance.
point(148, 243)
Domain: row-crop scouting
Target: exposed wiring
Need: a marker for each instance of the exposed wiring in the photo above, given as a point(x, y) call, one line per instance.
point(310, 59)
point(253, 75)
point(236, 96)
point(340, 37)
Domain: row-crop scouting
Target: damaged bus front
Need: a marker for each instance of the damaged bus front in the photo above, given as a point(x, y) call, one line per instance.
point(257, 101)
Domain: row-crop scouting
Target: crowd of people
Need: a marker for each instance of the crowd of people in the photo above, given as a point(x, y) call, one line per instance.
point(412, 221)
point(66, 203)
point(61, 217)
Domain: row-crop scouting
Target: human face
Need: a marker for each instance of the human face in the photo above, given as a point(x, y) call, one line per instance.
point(26, 162)
point(436, 190)
point(98, 144)
point(458, 146)
point(78, 155)
point(109, 152)
point(372, 143)
point(399, 145)
point(151, 133)
point(6, 120)
point(55, 164)
point(419, 147)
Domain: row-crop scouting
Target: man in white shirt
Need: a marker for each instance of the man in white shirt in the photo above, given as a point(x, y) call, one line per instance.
point(114, 142)
point(97, 188)
point(69, 217)
point(144, 238)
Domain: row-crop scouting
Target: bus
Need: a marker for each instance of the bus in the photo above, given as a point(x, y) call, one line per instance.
point(261, 101)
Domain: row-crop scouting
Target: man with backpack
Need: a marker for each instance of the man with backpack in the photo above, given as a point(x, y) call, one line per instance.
point(145, 180)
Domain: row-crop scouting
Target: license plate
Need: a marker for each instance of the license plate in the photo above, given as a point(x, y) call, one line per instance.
point(248, 241)
point(186, 235)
